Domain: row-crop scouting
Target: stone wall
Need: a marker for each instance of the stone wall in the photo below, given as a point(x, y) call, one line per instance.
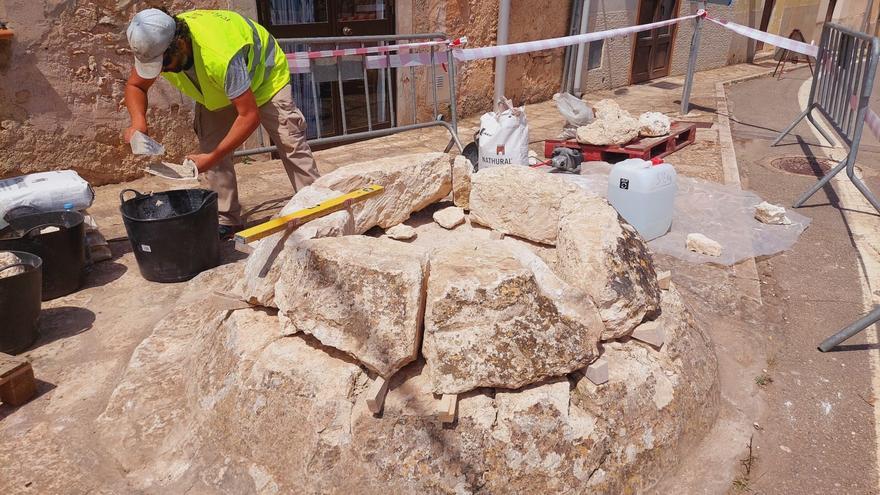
point(718, 46)
point(63, 78)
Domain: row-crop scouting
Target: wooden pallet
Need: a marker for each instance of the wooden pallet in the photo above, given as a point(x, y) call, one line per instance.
point(680, 135)
point(17, 383)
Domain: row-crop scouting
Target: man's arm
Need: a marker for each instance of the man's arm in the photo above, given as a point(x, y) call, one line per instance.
point(136, 101)
point(245, 124)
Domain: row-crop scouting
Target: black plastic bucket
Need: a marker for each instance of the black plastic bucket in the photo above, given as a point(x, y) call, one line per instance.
point(173, 233)
point(62, 250)
point(20, 297)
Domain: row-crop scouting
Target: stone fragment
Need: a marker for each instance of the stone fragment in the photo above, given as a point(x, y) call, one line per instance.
point(701, 244)
point(266, 262)
point(598, 254)
point(664, 278)
point(401, 232)
point(376, 395)
point(597, 371)
point(448, 404)
point(449, 218)
point(771, 214)
point(650, 332)
point(411, 183)
point(361, 295)
point(496, 236)
point(496, 317)
point(462, 169)
point(654, 124)
point(8, 258)
point(607, 109)
point(612, 126)
point(519, 201)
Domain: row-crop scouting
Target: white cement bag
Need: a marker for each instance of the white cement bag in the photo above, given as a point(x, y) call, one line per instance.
point(44, 191)
point(504, 136)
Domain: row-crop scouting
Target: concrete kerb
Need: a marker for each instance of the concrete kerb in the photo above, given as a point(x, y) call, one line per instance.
point(746, 275)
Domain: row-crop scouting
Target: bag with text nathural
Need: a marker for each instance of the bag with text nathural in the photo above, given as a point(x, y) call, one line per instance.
point(504, 136)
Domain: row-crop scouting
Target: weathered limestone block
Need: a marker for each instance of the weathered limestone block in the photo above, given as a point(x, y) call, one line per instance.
point(613, 125)
point(519, 201)
point(607, 259)
point(660, 401)
point(493, 320)
point(608, 109)
point(771, 214)
point(449, 218)
point(411, 183)
point(361, 295)
point(701, 244)
point(401, 232)
point(462, 169)
point(654, 124)
point(265, 264)
point(602, 132)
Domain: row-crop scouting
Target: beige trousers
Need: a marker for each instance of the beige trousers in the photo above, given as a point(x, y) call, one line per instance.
point(286, 126)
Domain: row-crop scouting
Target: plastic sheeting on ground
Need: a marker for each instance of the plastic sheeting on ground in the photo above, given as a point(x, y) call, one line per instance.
point(722, 213)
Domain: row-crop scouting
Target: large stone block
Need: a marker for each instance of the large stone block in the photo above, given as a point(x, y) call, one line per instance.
point(411, 183)
point(605, 257)
point(265, 264)
point(519, 201)
point(496, 316)
point(361, 295)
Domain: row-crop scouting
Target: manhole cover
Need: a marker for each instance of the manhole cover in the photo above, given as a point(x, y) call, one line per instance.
point(803, 165)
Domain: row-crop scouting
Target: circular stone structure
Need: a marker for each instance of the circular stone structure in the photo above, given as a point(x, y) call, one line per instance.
point(275, 400)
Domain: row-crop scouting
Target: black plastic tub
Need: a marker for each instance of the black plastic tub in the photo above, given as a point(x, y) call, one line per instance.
point(58, 238)
point(20, 297)
point(173, 233)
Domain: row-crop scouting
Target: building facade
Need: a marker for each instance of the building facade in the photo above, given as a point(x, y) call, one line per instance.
point(62, 75)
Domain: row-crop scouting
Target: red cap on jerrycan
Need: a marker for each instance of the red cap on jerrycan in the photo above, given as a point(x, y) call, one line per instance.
point(656, 161)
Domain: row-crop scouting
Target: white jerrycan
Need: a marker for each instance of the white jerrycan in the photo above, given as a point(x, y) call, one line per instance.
point(643, 193)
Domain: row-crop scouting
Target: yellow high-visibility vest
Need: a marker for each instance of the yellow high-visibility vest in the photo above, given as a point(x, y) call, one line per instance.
point(217, 36)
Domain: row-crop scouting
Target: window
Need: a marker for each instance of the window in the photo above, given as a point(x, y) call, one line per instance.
point(594, 57)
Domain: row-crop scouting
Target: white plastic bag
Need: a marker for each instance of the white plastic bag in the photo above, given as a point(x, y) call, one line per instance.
point(44, 191)
point(504, 136)
point(141, 144)
point(575, 111)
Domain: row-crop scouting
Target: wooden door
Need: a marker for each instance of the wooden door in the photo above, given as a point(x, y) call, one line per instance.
point(321, 100)
point(765, 20)
point(652, 50)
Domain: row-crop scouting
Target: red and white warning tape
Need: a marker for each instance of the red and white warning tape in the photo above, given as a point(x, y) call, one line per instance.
point(771, 39)
point(366, 50)
point(548, 44)
point(413, 59)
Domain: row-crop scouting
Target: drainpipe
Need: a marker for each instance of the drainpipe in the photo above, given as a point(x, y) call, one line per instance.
point(501, 62)
point(578, 69)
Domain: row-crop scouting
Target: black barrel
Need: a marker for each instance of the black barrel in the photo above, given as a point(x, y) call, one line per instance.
point(61, 247)
point(20, 297)
point(173, 233)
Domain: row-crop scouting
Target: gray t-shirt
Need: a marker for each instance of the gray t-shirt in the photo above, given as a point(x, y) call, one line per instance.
point(237, 78)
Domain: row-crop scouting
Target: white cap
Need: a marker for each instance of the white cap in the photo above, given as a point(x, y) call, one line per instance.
point(149, 35)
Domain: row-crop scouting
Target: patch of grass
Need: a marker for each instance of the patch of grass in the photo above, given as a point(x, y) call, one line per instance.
point(763, 380)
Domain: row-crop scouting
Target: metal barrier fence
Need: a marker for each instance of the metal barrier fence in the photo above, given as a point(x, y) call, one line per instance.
point(316, 69)
point(846, 64)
